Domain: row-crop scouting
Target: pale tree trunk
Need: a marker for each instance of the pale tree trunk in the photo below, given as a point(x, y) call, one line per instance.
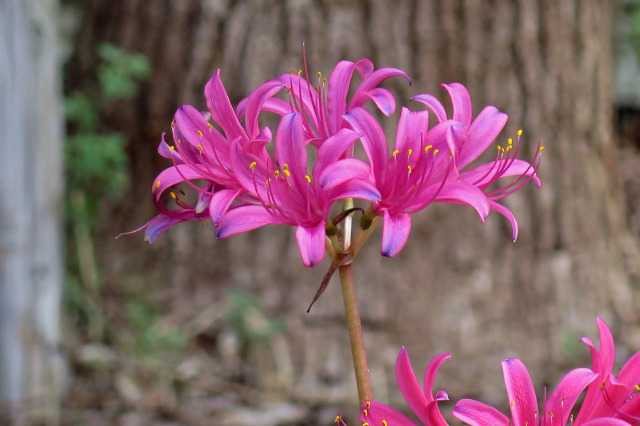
point(31, 184)
point(457, 286)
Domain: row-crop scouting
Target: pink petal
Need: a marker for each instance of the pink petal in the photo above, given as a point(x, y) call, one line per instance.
point(463, 193)
point(395, 233)
point(255, 104)
point(481, 175)
point(343, 170)
point(374, 413)
point(461, 101)
point(431, 371)
point(383, 99)
point(372, 80)
point(564, 397)
point(373, 140)
point(522, 396)
point(334, 147)
point(476, 413)
point(243, 219)
point(172, 176)
point(604, 421)
point(409, 386)
point(433, 104)
point(482, 133)
point(221, 110)
point(290, 147)
point(311, 242)
point(220, 203)
point(510, 217)
point(339, 82)
point(412, 127)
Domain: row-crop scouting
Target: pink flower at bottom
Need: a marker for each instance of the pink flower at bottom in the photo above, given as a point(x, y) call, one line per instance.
point(423, 403)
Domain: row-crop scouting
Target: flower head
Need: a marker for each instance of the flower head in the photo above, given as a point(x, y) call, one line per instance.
point(423, 403)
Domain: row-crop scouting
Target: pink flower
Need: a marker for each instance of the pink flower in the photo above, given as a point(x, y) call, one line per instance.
point(523, 402)
point(286, 193)
point(322, 107)
point(472, 138)
point(609, 395)
point(423, 404)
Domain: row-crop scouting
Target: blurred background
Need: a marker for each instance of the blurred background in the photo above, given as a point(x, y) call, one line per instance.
point(192, 330)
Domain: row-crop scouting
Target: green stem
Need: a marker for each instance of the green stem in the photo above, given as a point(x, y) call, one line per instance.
point(356, 337)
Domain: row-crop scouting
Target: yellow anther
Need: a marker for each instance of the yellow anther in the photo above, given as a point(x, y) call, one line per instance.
point(365, 412)
point(210, 125)
point(252, 165)
point(450, 153)
point(308, 178)
point(519, 133)
point(337, 419)
point(324, 80)
point(268, 182)
point(319, 74)
point(157, 184)
point(276, 173)
point(435, 151)
point(409, 168)
point(173, 195)
point(299, 73)
point(427, 148)
point(200, 133)
point(551, 414)
point(499, 148)
point(637, 387)
point(172, 124)
point(291, 70)
point(510, 141)
point(384, 423)
point(365, 424)
point(200, 148)
point(204, 223)
point(171, 148)
point(285, 166)
point(395, 152)
point(513, 403)
point(179, 141)
point(286, 172)
point(409, 152)
point(368, 404)
point(541, 149)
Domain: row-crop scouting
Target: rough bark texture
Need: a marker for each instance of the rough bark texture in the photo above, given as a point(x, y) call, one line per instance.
point(457, 286)
point(31, 368)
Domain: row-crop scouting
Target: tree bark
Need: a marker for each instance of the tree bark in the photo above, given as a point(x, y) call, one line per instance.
point(31, 368)
point(457, 286)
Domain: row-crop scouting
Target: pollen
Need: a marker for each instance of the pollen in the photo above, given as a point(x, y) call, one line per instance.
point(285, 166)
point(365, 412)
point(200, 148)
point(173, 195)
point(276, 173)
point(427, 148)
point(337, 419)
point(286, 172)
point(299, 73)
point(308, 178)
point(319, 74)
point(172, 124)
point(157, 184)
point(637, 387)
point(291, 71)
point(519, 132)
point(395, 152)
point(513, 403)
point(200, 133)
point(210, 125)
point(171, 148)
point(204, 223)
point(510, 141)
point(252, 165)
point(409, 168)
point(384, 423)
point(409, 152)
point(541, 149)
point(435, 151)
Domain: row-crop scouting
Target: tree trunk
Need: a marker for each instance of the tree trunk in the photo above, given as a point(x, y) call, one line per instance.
point(31, 181)
point(457, 286)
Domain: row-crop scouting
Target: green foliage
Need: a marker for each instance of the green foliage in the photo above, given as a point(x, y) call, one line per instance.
point(634, 36)
point(151, 338)
point(249, 321)
point(119, 71)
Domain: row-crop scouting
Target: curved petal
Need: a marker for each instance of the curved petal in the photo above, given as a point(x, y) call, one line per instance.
point(342, 171)
point(373, 140)
point(463, 193)
point(243, 219)
point(376, 413)
point(220, 203)
point(412, 128)
point(433, 413)
point(433, 104)
point(510, 217)
point(482, 175)
point(482, 132)
point(373, 79)
point(522, 396)
point(290, 147)
point(564, 397)
point(221, 110)
point(395, 233)
point(408, 384)
point(255, 104)
point(172, 176)
point(339, 82)
point(333, 148)
point(383, 99)
point(354, 188)
point(476, 413)
point(311, 242)
point(461, 101)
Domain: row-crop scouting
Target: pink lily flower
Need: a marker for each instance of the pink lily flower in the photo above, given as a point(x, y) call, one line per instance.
point(556, 409)
point(472, 138)
point(287, 193)
point(419, 171)
point(322, 107)
point(609, 395)
point(423, 404)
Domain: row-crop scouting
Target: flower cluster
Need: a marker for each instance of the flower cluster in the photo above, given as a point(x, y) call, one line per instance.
point(610, 399)
point(245, 177)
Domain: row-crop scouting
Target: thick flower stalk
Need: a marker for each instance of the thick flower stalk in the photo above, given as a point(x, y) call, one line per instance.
point(423, 403)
